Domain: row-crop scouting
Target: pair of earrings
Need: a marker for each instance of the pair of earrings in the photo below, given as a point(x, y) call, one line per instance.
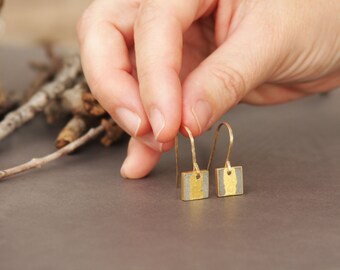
point(195, 184)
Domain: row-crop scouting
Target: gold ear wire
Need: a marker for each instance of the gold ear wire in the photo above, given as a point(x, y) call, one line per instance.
point(229, 180)
point(231, 142)
point(195, 183)
point(177, 161)
point(195, 166)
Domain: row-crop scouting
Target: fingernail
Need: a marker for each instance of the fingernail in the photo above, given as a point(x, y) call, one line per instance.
point(130, 120)
point(157, 121)
point(150, 141)
point(202, 113)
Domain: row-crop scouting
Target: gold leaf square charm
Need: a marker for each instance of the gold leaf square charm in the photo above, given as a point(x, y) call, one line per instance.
point(194, 186)
point(229, 184)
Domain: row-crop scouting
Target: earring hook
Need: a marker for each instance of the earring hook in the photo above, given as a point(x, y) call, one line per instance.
point(195, 166)
point(231, 141)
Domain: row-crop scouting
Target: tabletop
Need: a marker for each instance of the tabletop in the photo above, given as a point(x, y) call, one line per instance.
point(78, 213)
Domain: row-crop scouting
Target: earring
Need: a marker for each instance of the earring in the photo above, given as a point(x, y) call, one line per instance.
point(229, 180)
point(195, 183)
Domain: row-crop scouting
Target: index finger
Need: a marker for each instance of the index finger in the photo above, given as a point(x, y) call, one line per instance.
point(104, 31)
point(158, 36)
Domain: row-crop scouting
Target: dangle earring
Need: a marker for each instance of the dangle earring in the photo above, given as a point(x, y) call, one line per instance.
point(194, 184)
point(229, 180)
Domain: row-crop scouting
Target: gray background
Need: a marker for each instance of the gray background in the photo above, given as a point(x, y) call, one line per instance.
point(78, 213)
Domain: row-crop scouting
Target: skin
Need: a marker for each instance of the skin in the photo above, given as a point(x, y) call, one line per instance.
point(157, 65)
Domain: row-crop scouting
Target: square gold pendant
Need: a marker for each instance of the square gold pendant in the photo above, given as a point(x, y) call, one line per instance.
point(229, 184)
point(193, 186)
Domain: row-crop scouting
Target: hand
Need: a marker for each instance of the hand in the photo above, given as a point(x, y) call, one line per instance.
point(157, 65)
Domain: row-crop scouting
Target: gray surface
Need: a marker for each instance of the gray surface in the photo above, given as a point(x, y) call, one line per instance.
point(77, 213)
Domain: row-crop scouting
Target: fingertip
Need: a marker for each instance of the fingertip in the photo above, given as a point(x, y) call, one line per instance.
point(197, 117)
point(158, 65)
point(167, 146)
point(161, 95)
point(150, 141)
point(165, 122)
point(197, 110)
point(131, 121)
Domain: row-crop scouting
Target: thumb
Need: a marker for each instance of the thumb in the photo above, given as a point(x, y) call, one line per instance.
point(240, 64)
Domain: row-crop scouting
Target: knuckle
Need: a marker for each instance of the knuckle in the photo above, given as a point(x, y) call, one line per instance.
point(229, 82)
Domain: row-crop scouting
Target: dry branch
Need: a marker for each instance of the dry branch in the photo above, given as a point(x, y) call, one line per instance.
point(64, 79)
point(39, 162)
point(113, 132)
point(79, 101)
point(76, 127)
point(91, 105)
point(71, 99)
point(7, 102)
point(54, 112)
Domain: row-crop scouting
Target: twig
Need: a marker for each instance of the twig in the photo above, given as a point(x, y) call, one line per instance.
point(79, 101)
point(76, 127)
point(39, 162)
point(71, 99)
point(91, 105)
point(113, 132)
point(54, 112)
point(7, 102)
point(38, 101)
point(7, 107)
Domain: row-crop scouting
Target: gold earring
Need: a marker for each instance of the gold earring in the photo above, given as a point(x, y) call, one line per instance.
point(195, 183)
point(229, 180)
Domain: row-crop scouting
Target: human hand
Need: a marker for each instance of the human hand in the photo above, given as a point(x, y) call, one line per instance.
point(157, 65)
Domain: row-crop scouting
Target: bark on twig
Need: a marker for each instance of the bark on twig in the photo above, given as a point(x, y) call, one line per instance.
point(7, 107)
point(113, 132)
point(39, 162)
point(76, 127)
point(79, 101)
point(91, 105)
point(71, 99)
point(64, 79)
point(54, 112)
point(7, 102)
